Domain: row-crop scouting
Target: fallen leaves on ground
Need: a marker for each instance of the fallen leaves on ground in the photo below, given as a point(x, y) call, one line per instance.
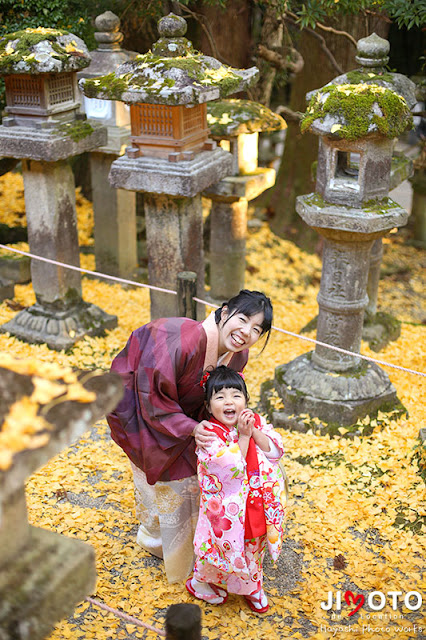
point(360, 499)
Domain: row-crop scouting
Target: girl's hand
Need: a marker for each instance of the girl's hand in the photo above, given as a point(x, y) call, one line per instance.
point(203, 434)
point(246, 422)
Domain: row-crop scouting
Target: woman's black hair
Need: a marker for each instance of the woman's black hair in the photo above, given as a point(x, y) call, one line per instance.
point(224, 378)
point(249, 303)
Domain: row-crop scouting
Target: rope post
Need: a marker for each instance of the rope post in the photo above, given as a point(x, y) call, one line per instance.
point(183, 622)
point(186, 291)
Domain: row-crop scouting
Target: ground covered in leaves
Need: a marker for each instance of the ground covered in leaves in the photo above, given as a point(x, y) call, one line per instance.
point(357, 507)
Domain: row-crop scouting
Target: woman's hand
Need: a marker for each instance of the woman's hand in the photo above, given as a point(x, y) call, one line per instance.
point(246, 422)
point(203, 434)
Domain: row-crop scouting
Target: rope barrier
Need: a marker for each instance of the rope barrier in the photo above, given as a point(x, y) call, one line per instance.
point(126, 617)
point(92, 273)
point(210, 304)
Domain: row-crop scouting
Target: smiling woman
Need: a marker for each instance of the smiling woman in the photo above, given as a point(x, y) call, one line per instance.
point(162, 415)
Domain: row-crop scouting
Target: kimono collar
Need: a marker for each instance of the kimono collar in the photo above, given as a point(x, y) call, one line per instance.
point(212, 348)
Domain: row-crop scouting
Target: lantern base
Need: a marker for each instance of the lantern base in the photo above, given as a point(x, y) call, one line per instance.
point(59, 329)
point(336, 398)
point(51, 145)
point(157, 175)
point(43, 583)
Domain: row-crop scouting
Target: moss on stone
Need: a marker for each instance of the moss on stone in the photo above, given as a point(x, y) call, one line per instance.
point(359, 110)
point(110, 85)
point(155, 76)
point(363, 76)
point(18, 47)
point(77, 130)
point(372, 206)
point(232, 117)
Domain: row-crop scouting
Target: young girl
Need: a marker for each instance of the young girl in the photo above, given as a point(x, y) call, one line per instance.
point(242, 502)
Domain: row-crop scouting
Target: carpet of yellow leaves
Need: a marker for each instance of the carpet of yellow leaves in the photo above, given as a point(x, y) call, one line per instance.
point(354, 498)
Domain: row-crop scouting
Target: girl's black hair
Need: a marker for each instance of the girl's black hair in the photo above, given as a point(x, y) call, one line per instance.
point(249, 303)
point(224, 378)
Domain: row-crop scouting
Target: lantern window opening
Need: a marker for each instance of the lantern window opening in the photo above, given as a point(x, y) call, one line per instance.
point(24, 91)
point(345, 170)
point(60, 89)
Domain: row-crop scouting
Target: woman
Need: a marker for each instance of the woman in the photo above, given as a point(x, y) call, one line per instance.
point(160, 418)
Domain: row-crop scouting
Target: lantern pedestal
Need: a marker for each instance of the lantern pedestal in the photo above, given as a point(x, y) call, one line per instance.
point(174, 220)
point(228, 224)
point(60, 317)
point(114, 220)
point(332, 386)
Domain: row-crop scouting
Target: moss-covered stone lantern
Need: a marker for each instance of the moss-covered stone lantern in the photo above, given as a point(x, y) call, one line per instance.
point(236, 125)
point(361, 164)
point(350, 211)
point(170, 157)
point(43, 128)
point(39, 68)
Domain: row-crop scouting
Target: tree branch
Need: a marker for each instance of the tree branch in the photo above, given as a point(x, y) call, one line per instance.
point(337, 32)
point(288, 114)
point(277, 60)
point(293, 19)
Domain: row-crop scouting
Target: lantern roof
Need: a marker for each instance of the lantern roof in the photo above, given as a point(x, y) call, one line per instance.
point(372, 55)
point(42, 50)
point(354, 111)
point(233, 117)
point(173, 73)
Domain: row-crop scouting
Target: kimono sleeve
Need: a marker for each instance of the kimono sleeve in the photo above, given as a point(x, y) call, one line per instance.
point(275, 438)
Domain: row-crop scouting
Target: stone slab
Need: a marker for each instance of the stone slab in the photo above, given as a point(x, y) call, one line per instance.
point(71, 420)
point(248, 187)
point(43, 584)
point(44, 144)
point(156, 175)
point(59, 329)
point(333, 397)
point(350, 219)
point(7, 289)
point(17, 269)
point(118, 140)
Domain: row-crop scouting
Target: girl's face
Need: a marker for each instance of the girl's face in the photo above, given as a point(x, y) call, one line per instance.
point(239, 332)
point(226, 405)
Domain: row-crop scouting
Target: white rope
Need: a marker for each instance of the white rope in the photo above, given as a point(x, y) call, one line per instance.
point(210, 304)
point(92, 273)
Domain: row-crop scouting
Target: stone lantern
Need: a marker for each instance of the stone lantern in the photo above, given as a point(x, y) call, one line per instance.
point(170, 157)
point(373, 56)
point(114, 209)
point(236, 124)
point(43, 128)
point(349, 211)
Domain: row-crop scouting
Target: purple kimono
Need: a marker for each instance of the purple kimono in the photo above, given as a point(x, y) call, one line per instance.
point(161, 366)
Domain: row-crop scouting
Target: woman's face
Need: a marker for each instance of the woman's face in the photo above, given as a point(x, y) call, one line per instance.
point(239, 332)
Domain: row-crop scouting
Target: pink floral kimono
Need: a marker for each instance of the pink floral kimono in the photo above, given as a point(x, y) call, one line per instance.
point(224, 553)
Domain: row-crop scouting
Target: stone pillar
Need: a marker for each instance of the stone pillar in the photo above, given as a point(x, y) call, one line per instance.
point(376, 256)
point(52, 231)
point(418, 207)
point(174, 229)
point(341, 300)
point(228, 224)
point(114, 221)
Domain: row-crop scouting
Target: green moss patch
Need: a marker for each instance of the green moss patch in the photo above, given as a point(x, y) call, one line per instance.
point(18, 47)
point(77, 130)
point(359, 110)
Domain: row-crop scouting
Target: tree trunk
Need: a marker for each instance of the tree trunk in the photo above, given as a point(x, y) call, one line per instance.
point(295, 173)
point(227, 34)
